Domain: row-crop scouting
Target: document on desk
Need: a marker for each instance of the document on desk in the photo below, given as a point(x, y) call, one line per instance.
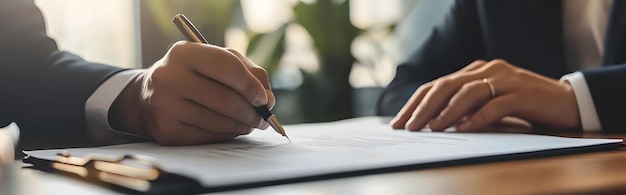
point(325, 149)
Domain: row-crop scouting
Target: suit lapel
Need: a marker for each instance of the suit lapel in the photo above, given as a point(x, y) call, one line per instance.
point(523, 31)
point(614, 40)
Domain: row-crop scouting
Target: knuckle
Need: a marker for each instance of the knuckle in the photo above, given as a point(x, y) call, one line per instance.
point(478, 63)
point(467, 90)
point(178, 46)
point(499, 61)
point(259, 72)
point(471, 86)
point(475, 87)
point(501, 64)
point(428, 84)
point(444, 83)
point(179, 43)
point(425, 86)
point(497, 66)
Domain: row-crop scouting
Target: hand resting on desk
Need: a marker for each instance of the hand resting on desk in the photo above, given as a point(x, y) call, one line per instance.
point(195, 94)
point(483, 93)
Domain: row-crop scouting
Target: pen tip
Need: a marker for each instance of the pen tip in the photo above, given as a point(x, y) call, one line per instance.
point(288, 138)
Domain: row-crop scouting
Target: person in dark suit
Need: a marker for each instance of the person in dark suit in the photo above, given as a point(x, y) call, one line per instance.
point(516, 51)
point(195, 94)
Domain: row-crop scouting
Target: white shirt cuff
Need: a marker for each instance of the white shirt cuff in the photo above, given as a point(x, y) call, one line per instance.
point(588, 115)
point(98, 104)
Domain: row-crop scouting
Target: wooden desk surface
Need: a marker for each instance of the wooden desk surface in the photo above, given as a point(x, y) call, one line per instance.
point(587, 173)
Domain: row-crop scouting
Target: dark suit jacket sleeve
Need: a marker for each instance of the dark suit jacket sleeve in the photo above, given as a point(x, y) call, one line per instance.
point(43, 89)
point(450, 46)
point(606, 85)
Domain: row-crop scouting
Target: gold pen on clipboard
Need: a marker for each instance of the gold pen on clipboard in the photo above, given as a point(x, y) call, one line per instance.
point(192, 34)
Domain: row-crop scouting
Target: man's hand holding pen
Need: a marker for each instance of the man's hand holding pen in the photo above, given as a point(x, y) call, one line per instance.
point(197, 93)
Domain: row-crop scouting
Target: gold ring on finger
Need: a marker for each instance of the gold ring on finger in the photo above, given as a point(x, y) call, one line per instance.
point(491, 88)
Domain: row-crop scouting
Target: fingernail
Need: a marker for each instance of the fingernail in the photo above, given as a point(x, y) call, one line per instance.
point(465, 126)
point(261, 99)
point(393, 120)
point(409, 124)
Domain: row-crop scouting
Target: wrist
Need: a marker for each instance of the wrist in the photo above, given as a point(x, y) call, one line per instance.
point(588, 117)
point(573, 116)
point(125, 114)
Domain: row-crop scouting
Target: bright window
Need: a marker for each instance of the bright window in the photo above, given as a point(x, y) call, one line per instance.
point(105, 31)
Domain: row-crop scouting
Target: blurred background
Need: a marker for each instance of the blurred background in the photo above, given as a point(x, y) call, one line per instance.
point(327, 59)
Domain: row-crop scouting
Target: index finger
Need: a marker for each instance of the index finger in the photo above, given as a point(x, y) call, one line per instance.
point(223, 66)
point(405, 113)
point(260, 75)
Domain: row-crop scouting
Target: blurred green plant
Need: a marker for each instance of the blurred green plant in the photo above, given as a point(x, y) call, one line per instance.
point(158, 32)
point(212, 18)
point(324, 95)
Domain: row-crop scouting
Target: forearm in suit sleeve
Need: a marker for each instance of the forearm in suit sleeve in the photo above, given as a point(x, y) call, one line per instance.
point(43, 89)
point(607, 86)
point(450, 46)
